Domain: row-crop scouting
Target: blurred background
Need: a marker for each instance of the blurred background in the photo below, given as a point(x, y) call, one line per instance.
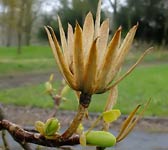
point(22, 21)
point(26, 61)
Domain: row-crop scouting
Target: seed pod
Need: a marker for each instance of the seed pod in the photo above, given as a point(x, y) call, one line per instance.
point(100, 138)
point(51, 126)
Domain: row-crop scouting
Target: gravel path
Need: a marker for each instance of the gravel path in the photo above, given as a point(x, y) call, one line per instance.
point(15, 80)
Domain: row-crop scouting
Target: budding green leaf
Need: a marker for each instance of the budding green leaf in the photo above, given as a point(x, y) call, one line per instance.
point(100, 138)
point(51, 77)
point(112, 115)
point(65, 90)
point(82, 139)
point(80, 129)
point(39, 126)
point(52, 125)
point(48, 86)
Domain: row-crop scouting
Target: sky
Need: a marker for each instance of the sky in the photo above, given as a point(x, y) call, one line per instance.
point(48, 5)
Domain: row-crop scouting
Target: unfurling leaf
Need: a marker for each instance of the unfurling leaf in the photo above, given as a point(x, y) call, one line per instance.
point(51, 77)
point(112, 115)
point(80, 129)
point(52, 125)
point(40, 127)
point(82, 139)
point(65, 90)
point(48, 87)
point(100, 138)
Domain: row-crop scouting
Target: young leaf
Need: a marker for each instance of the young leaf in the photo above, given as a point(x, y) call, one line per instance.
point(51, 77)
point(80, 129)
point(65, 90)
point(112, 115)
point(48, 87)
point(51, 126)
point(82, 139)
point(39, 126)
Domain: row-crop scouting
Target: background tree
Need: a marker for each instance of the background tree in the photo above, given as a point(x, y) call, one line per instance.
point(114, 6)
point(17, 19)
point(20, 25)
point(151, 16)
point(28, 20)
point(8, 19)
point(70, 12)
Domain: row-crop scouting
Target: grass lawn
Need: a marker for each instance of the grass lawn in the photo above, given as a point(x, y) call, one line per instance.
point(28, 52)
point(32, 58)
point(145, 82)
point(40, 58)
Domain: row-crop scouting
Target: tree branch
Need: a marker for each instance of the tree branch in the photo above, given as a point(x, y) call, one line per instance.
point(82, 109)
point(23, 136)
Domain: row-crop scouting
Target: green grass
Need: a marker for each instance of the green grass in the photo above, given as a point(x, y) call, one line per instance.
point(144, 83)
point(32, 58)
point(147, 81)
point(40, 58)
point(28, 52)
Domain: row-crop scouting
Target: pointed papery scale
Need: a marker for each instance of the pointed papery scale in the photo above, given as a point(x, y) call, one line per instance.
point(70, 48)
point(127, 123)
point(112, 98)
point(119, 79)
point(108, 61)
point(88, 33)
point(91, 69)
point(125, 47)
point(97, 22)
point(102, 40)
point(63, 40)
point(121, 53)
point(52, 45)
point(60, 58)
point(78, 64)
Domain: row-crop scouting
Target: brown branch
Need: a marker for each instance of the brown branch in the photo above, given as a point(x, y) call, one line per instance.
point(75, 123)
point(82, 109)
point(57, 100)
point(21, 135)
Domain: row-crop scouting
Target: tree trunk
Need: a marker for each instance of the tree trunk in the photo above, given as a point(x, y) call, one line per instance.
point(114, 7)
point(28, 29)
point(20, 27)
point(10, 25)
point(8, 36)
